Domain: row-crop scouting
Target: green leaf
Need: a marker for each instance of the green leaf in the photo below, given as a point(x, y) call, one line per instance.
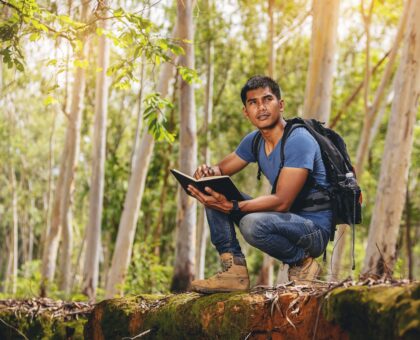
point(34, 36)
point(49, 100)
point(39, 25)
point(189, 75)
point(52, 62)
point(119, 12)
point(99, 31)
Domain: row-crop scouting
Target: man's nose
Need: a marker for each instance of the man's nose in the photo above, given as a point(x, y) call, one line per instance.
point(261, 105)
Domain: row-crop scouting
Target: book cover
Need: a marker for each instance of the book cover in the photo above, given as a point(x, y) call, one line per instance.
point(220, 184)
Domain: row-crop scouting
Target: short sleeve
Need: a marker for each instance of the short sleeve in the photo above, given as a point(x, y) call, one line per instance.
point(244, 150)
point(300, 149)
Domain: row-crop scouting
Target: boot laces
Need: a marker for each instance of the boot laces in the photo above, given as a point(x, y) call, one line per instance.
point(226, 265)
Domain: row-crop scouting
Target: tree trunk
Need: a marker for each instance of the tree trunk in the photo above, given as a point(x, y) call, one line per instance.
point(202, 227)
point(127, 227)
point(408, 242)
point(271, 34)
point(371, 113)
point(93, 229)
point(319, 81)
point(14, 234)
point(186, 214)
point(385, 223)
point(64, 188)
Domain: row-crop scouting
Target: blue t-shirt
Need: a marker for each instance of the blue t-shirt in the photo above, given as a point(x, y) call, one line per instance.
point(301, 151)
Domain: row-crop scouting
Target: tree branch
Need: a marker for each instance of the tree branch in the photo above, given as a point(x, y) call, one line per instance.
point(355, 92)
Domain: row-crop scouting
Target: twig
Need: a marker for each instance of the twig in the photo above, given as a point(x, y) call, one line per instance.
point(140, 335)
point(18, 331)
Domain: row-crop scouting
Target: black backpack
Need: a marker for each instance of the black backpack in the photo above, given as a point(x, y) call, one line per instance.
point(344, 195)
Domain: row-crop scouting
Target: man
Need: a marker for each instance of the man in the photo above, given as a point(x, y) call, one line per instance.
point(266, 222)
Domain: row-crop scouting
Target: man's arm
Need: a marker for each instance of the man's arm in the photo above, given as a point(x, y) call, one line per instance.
point(230, 165)
point(289, 184)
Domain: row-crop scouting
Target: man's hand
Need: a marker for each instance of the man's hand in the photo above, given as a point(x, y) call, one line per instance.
point(205, 170)
point(213, 200)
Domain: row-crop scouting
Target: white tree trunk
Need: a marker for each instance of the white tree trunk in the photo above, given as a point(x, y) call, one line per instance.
point(202, 226)
point(127, 227)
point(386, 218)
point(186, 214)
point(319, 81)
point(369, 119)
point(14, 235)
point(93, 228)
point(63, 193)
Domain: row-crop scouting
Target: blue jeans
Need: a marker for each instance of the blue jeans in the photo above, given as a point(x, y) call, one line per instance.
point(285, 236)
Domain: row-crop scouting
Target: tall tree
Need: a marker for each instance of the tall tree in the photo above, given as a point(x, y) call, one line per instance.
point(369, 125)
point(386, 219)
point(202, 227)
point(127, 227)
point(372, 109)
point(186, 215)
point(93, 229)
point(319, 81)
point(64, 187)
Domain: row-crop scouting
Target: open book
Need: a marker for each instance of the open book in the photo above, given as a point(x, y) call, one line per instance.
point(220, 184)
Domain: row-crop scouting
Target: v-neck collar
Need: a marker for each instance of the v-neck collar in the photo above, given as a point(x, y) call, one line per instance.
point(270, 155)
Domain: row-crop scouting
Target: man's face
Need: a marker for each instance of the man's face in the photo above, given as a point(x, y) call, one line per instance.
point(262, 108)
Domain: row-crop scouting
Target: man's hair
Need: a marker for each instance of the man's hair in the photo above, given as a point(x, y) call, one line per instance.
point(257, 82)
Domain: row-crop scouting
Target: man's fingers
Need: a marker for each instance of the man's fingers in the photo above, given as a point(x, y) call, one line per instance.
point(213, 193)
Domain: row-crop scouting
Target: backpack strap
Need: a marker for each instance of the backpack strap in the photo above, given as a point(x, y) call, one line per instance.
point(256, 141)
point(290, 126)
point(316, 201)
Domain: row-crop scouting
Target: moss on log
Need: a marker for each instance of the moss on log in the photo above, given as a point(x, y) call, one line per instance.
point(217, 316)
point(292, 312)
point(356, 312)
point(41, 327)
point(42, 319)
point(380, 312)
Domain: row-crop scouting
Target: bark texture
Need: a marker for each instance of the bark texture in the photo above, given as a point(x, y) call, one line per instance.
point(186, 214)
point(202, 226)
point(319, 82)
point(93, 229)
point(386, 218)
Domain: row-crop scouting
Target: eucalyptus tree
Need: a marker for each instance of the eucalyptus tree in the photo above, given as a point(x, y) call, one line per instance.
point(186, 215)
point(317, 101)
point(385, 224)
point(370, 124)
point(93, 228)
point(61, 214)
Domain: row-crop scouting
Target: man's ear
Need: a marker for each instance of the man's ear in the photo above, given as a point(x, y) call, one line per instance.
point(281, 104)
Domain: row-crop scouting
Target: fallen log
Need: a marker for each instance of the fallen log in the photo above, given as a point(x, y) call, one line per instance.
point(348, 310)
point(355, 312)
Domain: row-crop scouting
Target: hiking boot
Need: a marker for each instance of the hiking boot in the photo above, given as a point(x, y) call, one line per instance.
point(305, 272)
point(233, 277)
